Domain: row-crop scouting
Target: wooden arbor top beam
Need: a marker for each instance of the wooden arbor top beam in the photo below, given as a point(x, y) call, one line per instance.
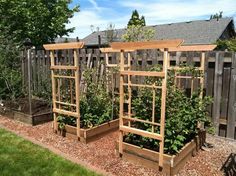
point(158, 44)
point(61, 46)
point(110, 50)
point(192, 48)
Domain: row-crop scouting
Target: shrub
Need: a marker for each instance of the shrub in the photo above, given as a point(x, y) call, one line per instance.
point(95, 104)
point(182, 114)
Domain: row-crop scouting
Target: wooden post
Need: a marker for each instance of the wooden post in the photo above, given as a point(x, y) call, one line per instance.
point(121, 102)
point(76, 62)
point(129, 89)
point(217, 91)
point(29, 80)
point(232, 101)
point(163, 108)
point(203, 61)
point(55, 126)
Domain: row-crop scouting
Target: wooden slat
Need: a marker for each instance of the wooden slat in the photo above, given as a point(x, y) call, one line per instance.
point(62, 76)
point(64, 112)
point(63, 103)
point(146, 45)
point(232, 101)
point(61, 46)
point(63, 67)
point(193, 48)
point(143, 73)
point(217, 91)
point(110, 50)
point(140, 120)
point(143, 85)
point(187, 77)
point(141, 132)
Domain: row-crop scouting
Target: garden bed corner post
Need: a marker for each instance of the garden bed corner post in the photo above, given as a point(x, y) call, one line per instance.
point(163, 107)
point(121, 103)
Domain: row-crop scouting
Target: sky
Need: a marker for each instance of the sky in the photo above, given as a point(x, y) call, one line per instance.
point(100, 13)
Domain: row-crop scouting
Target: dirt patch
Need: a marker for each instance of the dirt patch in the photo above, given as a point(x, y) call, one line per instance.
point(101, 153)
point(22, 105)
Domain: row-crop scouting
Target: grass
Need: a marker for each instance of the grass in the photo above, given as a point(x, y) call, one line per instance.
point(19, 157)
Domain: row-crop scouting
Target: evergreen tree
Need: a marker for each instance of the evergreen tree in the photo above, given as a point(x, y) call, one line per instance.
point(217, 15)
point(135, 20)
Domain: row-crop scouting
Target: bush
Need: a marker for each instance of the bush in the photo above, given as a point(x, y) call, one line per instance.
point(182, 114)
point(95, 105)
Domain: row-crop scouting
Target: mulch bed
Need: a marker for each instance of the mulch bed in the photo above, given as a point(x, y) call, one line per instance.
point(101, 153)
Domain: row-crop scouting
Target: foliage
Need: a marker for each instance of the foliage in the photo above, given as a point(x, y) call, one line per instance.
point(182, 115)
point(217, 15)
point(136, 30)
point(229, 45)
point(135, 20)
point(138, 33)
point(95, 104)
point(41, 21)
point(10, 73)
point(19, 157)
point(111, 33)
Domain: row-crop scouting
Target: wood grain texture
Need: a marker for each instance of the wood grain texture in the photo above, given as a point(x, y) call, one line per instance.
point(193, 48)
point(63, 46)
point(158, 44)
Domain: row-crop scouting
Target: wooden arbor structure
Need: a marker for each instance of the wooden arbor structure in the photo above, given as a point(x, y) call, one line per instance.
point(166, 46)
point(60, 107)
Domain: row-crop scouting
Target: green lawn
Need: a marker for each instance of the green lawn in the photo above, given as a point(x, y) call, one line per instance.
point(19, 157)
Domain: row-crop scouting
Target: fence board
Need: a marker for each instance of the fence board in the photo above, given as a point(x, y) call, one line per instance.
point(217, 91)
point(232, 101)
point(222, 87)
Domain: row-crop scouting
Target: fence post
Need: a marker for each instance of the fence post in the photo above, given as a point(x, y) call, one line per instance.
point(217, 90)
point(232, 100)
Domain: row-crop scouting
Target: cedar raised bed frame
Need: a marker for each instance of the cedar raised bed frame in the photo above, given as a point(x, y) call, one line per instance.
point(26, 118)
point(91, 134)
point(171, 163)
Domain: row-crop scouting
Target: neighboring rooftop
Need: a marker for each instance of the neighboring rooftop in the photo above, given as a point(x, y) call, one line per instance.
point(65, 39)
point(193, 32)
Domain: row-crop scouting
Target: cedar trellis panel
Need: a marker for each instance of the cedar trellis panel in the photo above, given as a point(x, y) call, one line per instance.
point(90, 57)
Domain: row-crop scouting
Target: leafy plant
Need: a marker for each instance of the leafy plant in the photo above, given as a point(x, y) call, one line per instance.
point(182, 114)
point(95, 103)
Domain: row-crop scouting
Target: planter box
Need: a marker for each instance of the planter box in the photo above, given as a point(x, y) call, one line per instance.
point(91, 134)
point(26, 118)
point(172, 163)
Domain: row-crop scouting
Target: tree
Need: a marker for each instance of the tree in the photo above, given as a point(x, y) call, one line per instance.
point(138, 33)
point(229, 45)
point(135, 20)
point(137, 30)
point(217, 15)
point(110, 33)
point(10, 73)
point(40, 20)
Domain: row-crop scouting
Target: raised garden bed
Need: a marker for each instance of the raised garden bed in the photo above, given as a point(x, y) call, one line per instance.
point(19, 111)
point(90, 134)
point(172, 163)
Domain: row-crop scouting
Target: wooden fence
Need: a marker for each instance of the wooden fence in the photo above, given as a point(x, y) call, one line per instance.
point(220, 77)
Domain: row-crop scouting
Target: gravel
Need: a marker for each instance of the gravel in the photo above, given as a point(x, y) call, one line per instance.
point(100, 154)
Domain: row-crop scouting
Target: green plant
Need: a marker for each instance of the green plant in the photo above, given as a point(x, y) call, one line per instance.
point(61, 122)
point(10, 70)
point(41, 21)
point(182, 114)
point(95, 104)
point(138, 33)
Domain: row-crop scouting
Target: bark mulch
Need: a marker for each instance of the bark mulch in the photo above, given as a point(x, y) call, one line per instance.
point(100, 155)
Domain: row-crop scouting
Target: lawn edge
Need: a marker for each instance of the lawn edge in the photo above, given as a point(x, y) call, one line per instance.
point(58, 152)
